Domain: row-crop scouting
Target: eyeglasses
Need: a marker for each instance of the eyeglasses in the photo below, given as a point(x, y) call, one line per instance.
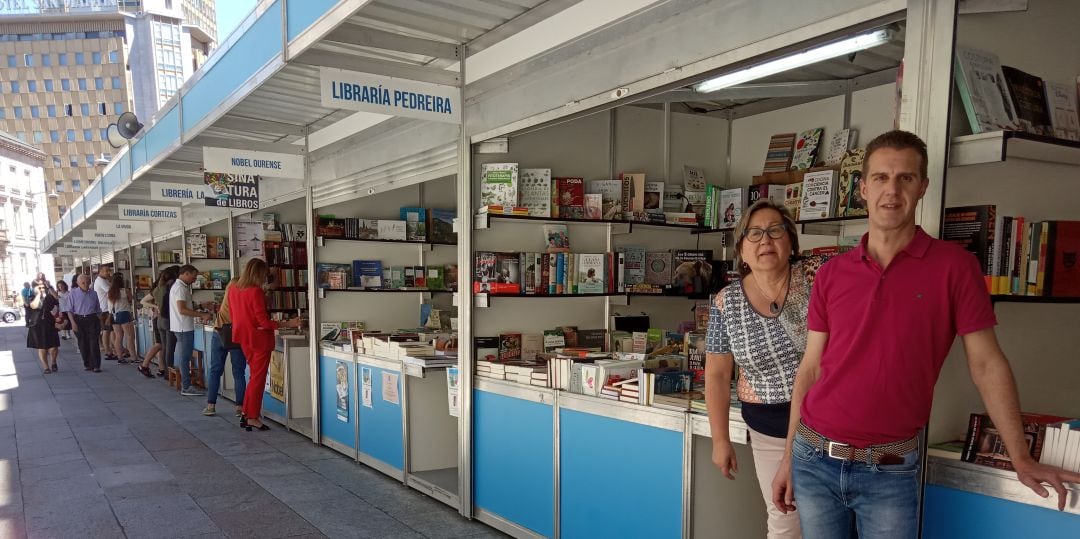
point(775, 232)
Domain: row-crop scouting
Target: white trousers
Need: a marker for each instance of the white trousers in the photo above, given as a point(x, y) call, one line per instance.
point(768, 452)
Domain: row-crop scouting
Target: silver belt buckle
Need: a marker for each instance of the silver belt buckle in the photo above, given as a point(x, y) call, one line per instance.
point(838, 444)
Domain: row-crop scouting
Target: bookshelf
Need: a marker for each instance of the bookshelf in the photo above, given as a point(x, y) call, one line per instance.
point(1001, 146)
point(321, 240)
point(484, 220)
point(288, 266)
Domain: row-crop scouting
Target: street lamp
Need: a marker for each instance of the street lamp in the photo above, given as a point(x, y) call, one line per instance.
point(33, 224)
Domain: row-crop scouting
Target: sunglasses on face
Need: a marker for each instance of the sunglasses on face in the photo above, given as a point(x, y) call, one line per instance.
point(755, 234)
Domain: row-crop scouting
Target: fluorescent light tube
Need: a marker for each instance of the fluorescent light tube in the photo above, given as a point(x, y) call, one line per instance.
point(779, 65)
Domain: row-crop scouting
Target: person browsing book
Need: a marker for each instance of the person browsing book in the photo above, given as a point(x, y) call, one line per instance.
point(882, 319)
point(219, 353)
point(182, 315)
point(254, 331)
point(758, 325)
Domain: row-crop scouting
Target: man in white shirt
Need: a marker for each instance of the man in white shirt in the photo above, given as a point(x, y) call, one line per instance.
point(101, 286)
point(182, 315)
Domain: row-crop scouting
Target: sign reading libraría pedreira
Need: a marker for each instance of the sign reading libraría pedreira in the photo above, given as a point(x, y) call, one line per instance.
point(232, 190)
point(388, 95)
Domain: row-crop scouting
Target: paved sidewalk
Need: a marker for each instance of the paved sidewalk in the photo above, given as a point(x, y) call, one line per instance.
point(116, 454)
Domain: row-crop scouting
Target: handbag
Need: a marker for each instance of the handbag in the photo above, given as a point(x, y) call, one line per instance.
point(225, 334)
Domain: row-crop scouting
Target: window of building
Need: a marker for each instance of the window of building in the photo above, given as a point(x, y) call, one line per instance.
point(106, 156)
point(114, 57)
point(39, 137)
point(62, 210)
point(71, 135)
point(17, 112)
point(89, 159)
point(95, 58)
point(76, 186)
point(101, 109)
point(118, 108)
point(46, 59)
point(49, 85)
point(54, 136)
point(65, 85)
point(84, 108)
point(62, 58)
point(99, 83)
point(18, 225)
point(11, 61)
point(80, 59)
point(50, 111)
point(59, 186)
point(28, 60)
point(88, 134)
point(22, 261)
point(11, 169)
point(3, 113)
point(168, 4)
point(73, 160)
point(82, 84)
point(103, 133)
point(31, 86)
point(21, 135)
point(116, 83)
point(55, 158)
point(35, 111)
point(15, 87)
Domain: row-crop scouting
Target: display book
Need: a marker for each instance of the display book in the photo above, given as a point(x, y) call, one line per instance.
point(203, 246)
point(432, 344)
point(535, 192)
point(1017, 256)
point(372, 274)
point(558, 271)
point(211, 280)
point(414, 224)
point(634, 363)
point(1049, 439)
point(285, 250)
point(997, 97)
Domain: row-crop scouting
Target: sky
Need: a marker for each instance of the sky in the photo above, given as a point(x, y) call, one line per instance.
point(230, 13)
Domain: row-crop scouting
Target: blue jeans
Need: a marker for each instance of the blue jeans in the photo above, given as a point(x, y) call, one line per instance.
point(837, 497)
point(218, 354)
point(185, 344)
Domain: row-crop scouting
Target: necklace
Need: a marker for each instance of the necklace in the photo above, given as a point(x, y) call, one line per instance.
point(774, 308)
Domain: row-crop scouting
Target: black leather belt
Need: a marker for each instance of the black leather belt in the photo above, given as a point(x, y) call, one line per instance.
point(889, 453)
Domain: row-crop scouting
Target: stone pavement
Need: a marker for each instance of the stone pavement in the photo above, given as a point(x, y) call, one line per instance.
point(116, 454)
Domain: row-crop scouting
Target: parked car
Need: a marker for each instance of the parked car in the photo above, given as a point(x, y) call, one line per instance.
point(10, 314)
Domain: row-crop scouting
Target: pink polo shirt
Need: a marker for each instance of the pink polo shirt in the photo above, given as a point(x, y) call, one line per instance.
point(889, 333)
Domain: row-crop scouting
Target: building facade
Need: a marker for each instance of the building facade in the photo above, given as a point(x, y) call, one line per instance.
point(22, 194)
point(69, 68)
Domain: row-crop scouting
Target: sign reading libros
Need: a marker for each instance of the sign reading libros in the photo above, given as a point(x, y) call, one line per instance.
point(268, 164)
point(232, 190)
point(387, 95)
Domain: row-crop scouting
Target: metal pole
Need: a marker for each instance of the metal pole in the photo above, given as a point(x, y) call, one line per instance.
point(313, 313)
point(465, 307)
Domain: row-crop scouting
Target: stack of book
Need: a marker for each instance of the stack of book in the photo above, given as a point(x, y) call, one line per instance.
point(1061, 447)
point(984, 445)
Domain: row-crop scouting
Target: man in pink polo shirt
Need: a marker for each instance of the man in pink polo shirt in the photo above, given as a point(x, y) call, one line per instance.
point(881, 321)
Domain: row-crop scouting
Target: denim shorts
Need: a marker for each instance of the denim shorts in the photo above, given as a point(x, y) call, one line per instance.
point(122, 317)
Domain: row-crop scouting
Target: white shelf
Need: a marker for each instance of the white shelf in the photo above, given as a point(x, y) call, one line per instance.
point(1000, 146)
point(968, 477)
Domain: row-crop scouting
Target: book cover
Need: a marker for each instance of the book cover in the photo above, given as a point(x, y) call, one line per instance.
point(849, 200)
point(983, 91)
point(592, 339)
point(778, 156)
point(970, 227)
point(553, 338)
point(1062, 270)
point(143, 282)
point(819, 195)
point(219, 278)
point(701, 315)
point(487, 348)
point(508, 280)
point(365, 229)
point(806, 148)
point(633, 192)
point(392, 230)
point(415, 223)
point(610, 192)
point(498, 184)
point(509, 346)
point(984, 445)
point(571, 198)
point(654, 195)
point(793, 198)
point(775, 193)
point(693, 178)
point(441, 225)
point(324, 269)
point(1029, 101)
point(839, 144)
point(486, 272)
point(633, 266)
point(674, 200)
point(594, 206)
point(1061, 100)
point(196, 244)
point(532, 345)
point(692, 272)
point(367, 273)
point(731, 205)
point(556, 238)
point(695, 352)
point(535, 188)
point(658, 268)
point(435, 277)
point(590, 274)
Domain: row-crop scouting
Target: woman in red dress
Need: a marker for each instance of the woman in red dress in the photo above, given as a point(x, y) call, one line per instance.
point(254, 331)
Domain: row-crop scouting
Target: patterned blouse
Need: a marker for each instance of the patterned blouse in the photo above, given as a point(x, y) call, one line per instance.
point(767, 350)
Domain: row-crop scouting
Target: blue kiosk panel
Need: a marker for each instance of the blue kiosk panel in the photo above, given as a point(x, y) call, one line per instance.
point(588, 439)
point(520, 489)
point(381, 425)
point(331, 424)
point(956, 514)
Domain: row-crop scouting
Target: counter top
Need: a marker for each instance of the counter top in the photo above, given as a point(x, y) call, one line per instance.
point(1003, 484)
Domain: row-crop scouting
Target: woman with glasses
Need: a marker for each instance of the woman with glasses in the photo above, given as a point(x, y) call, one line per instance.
point(758, 325)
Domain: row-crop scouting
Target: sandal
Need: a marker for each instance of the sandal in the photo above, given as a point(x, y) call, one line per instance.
point(55, 368)
point(161, 374)
point(145, 371)
point(47, 371)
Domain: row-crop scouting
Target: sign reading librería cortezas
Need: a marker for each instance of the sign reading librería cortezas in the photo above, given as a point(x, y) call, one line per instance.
point(149, 213)
point(388, 95)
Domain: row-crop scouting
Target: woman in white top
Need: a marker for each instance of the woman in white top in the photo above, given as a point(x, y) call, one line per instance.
point(119, 300)
point(65, 305)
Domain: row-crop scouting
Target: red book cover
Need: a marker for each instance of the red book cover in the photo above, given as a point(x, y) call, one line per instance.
point(1063, 272)
point(571, 198)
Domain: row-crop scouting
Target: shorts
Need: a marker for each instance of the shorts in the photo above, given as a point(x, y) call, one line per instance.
point(122, 317)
